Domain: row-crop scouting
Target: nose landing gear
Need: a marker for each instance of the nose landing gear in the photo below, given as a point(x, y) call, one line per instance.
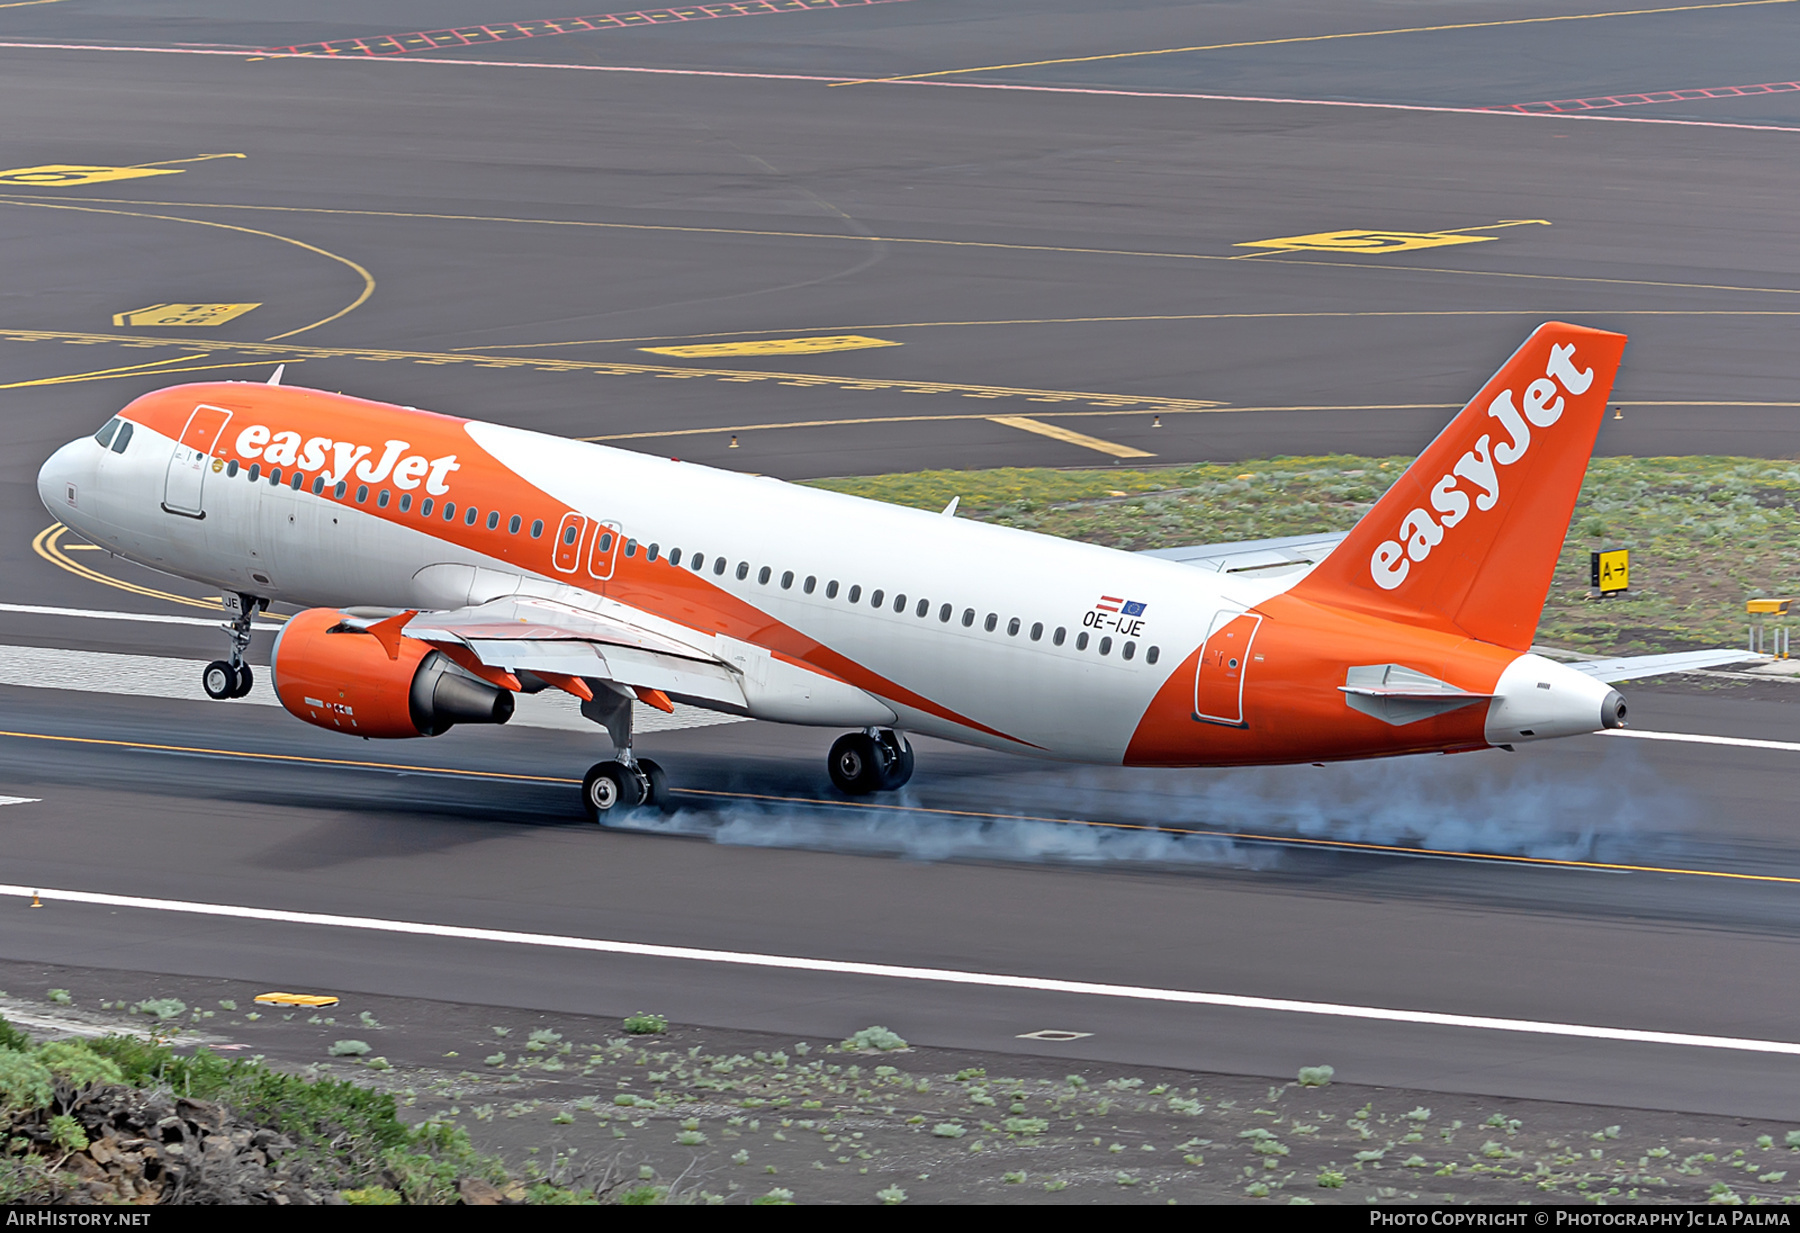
point(232, 678)
point(874, 760)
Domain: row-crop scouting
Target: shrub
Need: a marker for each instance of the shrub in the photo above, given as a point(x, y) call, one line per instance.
point(80, 1065)
point(349, 1048)
point(643, 1024)
point(25, 1082)
point(875, 1038)
point(1315, 1076)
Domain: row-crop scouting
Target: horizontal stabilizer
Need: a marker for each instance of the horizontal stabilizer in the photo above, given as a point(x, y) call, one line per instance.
point(1396, 694)
point(1636, 667)
point(1256, 558)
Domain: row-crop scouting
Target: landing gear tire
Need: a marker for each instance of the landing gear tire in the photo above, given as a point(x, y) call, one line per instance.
point(656, 784)
point(246, 679)
point(900, 766)
point(220, 680)
point(612, 788)
point(858, 764)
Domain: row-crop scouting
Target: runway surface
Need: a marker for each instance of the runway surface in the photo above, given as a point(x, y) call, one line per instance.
point(859, 238)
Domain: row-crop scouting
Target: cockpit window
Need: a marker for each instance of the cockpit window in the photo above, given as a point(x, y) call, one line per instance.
point(123, 439)
point(105, 435)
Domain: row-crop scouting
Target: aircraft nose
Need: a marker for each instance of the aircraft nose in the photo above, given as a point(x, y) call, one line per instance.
point(65, 477)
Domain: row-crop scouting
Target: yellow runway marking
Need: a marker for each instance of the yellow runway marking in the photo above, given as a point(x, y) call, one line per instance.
point(46, 545)
point(73, 175)
point(1027, 424)
point(1369, 243)
point(25, 4)
point(183, 314)
point(1315, 38)
point(130, 370)
point(1135, 317)
point(1141, 254)
point(293, 353)
point(1295, 841)
point(772, 346)
point(368, 279)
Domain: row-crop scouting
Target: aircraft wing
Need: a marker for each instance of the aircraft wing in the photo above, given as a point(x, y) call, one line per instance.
point(1258, 558)
point(1634, 667)
point(562, 643)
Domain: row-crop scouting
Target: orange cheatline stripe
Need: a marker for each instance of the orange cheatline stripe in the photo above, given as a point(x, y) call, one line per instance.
point(1348, 845)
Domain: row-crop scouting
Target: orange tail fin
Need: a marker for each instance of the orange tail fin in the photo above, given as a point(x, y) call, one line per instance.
point(1467, 538)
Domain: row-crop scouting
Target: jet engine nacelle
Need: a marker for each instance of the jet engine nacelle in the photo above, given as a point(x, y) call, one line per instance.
point(337, 677)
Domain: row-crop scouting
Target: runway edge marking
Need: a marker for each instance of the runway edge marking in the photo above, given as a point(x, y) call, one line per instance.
point(898, 972)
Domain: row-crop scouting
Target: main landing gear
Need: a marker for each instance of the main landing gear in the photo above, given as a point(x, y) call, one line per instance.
point(873, 760)
point(232, 678)
point(623, 783)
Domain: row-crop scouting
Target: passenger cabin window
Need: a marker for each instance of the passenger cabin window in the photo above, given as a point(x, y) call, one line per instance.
point(274, 477)
point(968, 617)
point(899, 603)
point(231, 469)
point(630, 547)
point(512, 527)
point(255, 471)
point(699, 562)
point(719, 567)
point(762, 576)
point(674, 556)
point(831, 589)
point(809, 584)
point(425, 508)
point(743, 570)
point(298, 480)
point(1106, 646)
point(923, 609)
point(537, 524)
point(362, 494)
point(1037, 630)
point(993, 619)
point(855, 594)
point(470, 515)
point(1012, 628)
point(1081, 641)
point(1128, 650)
point(338, 491)
point(944, 614)
point(1153, 654)
point(318, 484)
point(449, 511)
point(787, 580)
point(382, 498)
point(875, 598)
point(405, 502)
point(650, 553)
point(1056, 639)
point(494, 520)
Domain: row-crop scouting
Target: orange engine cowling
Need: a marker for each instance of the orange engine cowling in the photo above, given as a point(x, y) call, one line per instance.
point(341, 678)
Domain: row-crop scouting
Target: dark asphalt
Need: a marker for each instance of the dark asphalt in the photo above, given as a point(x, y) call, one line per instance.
point(1033, 253)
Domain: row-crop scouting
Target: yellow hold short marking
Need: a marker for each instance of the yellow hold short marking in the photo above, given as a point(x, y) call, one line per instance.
point(776, 346)
point(183, 314)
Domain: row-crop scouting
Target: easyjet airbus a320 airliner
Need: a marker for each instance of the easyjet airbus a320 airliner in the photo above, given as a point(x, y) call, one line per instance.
point(449, 564)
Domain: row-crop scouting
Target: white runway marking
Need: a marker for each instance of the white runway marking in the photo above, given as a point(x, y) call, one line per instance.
point(19, 800)
point(1695, 738)
point(889, 971)
point(144, 617)
point(158, 676)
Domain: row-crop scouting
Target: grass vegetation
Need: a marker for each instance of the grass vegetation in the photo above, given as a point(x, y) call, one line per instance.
point(1706, 533)
point(352, 1135)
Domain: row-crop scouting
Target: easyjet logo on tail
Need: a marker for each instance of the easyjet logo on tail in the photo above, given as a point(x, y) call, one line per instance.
point(1541, 407)
point(395, 465)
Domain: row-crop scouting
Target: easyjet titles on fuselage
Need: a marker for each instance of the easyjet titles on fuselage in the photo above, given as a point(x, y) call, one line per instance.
point(405, 471)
